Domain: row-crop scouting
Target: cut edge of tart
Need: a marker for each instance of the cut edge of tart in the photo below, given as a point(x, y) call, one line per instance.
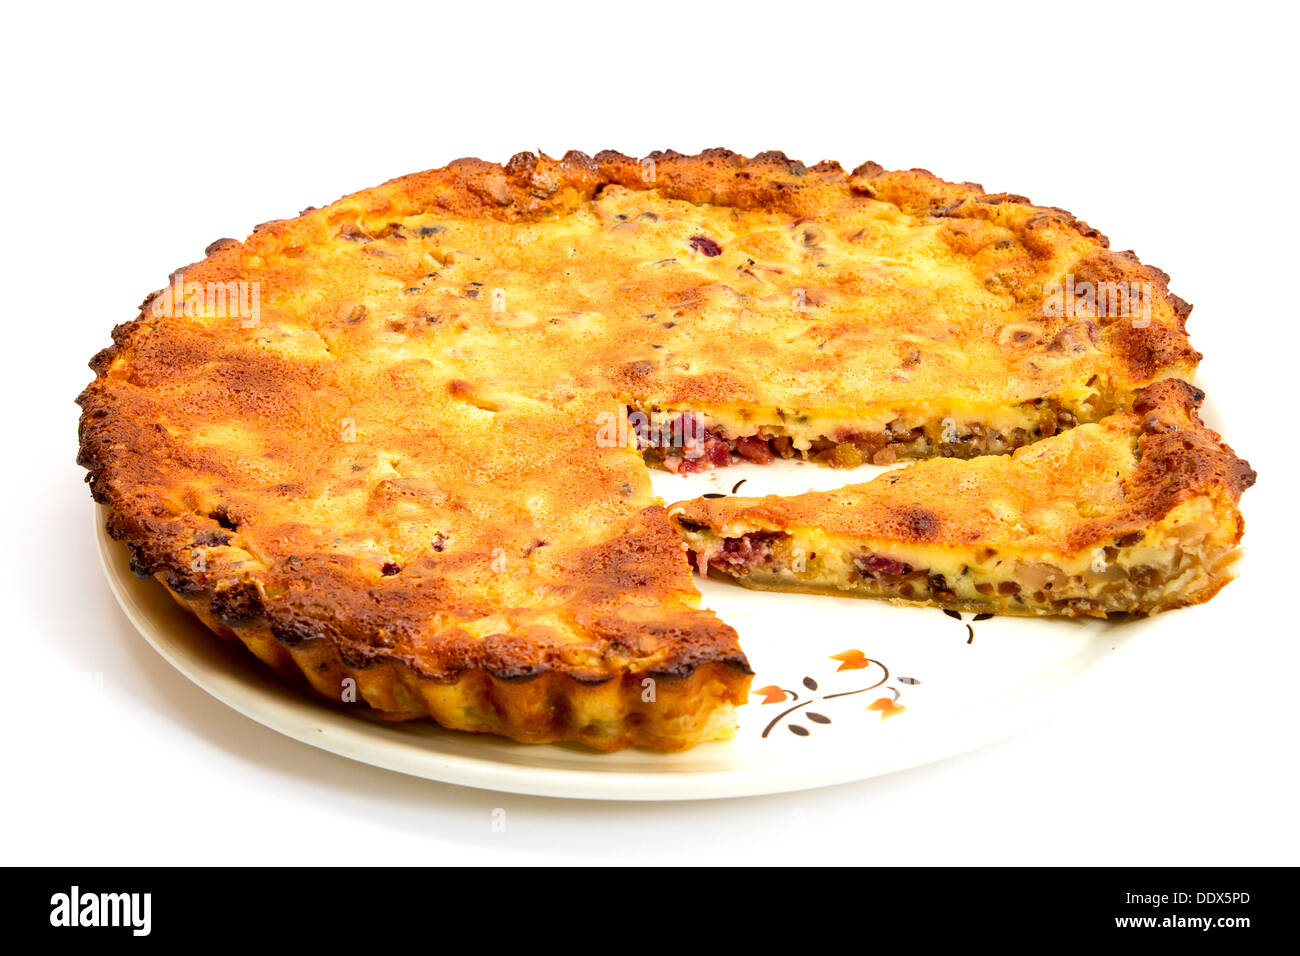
point(690, 440)
point(1134, 514)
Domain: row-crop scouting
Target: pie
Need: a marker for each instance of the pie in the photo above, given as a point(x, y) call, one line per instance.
point(397, 445)
point(1133, 514)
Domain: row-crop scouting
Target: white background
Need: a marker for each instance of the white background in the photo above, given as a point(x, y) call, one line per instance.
point(135, 136)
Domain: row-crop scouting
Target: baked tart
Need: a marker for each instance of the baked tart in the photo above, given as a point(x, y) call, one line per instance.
point(398, 445)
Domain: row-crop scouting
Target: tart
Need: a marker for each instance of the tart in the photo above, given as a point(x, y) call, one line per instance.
point(397, 445)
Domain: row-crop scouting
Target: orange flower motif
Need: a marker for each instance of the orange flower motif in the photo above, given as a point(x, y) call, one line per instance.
point(853, 660)
point(771, 694)
point(887, 707)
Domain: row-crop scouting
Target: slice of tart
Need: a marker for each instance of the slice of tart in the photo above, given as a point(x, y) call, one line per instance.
point(1133, 514)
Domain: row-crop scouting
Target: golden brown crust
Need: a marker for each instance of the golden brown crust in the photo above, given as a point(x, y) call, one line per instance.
point(525, 703)
point(1005, 246)
point(217, 447)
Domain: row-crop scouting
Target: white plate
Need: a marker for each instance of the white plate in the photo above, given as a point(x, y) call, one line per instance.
point(960, 684)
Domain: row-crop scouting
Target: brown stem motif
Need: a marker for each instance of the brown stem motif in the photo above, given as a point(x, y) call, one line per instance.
point(851, 660)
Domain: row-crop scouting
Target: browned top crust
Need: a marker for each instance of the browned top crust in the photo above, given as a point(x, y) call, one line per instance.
point(911, 287)
point(446, 537)
point(399, 455)
point(1090, 486)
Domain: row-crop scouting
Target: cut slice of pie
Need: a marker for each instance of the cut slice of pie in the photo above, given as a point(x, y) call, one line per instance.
point(1136, 513)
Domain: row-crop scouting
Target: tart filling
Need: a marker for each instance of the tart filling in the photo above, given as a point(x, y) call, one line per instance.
point(1188, 555)
point(686, 441)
